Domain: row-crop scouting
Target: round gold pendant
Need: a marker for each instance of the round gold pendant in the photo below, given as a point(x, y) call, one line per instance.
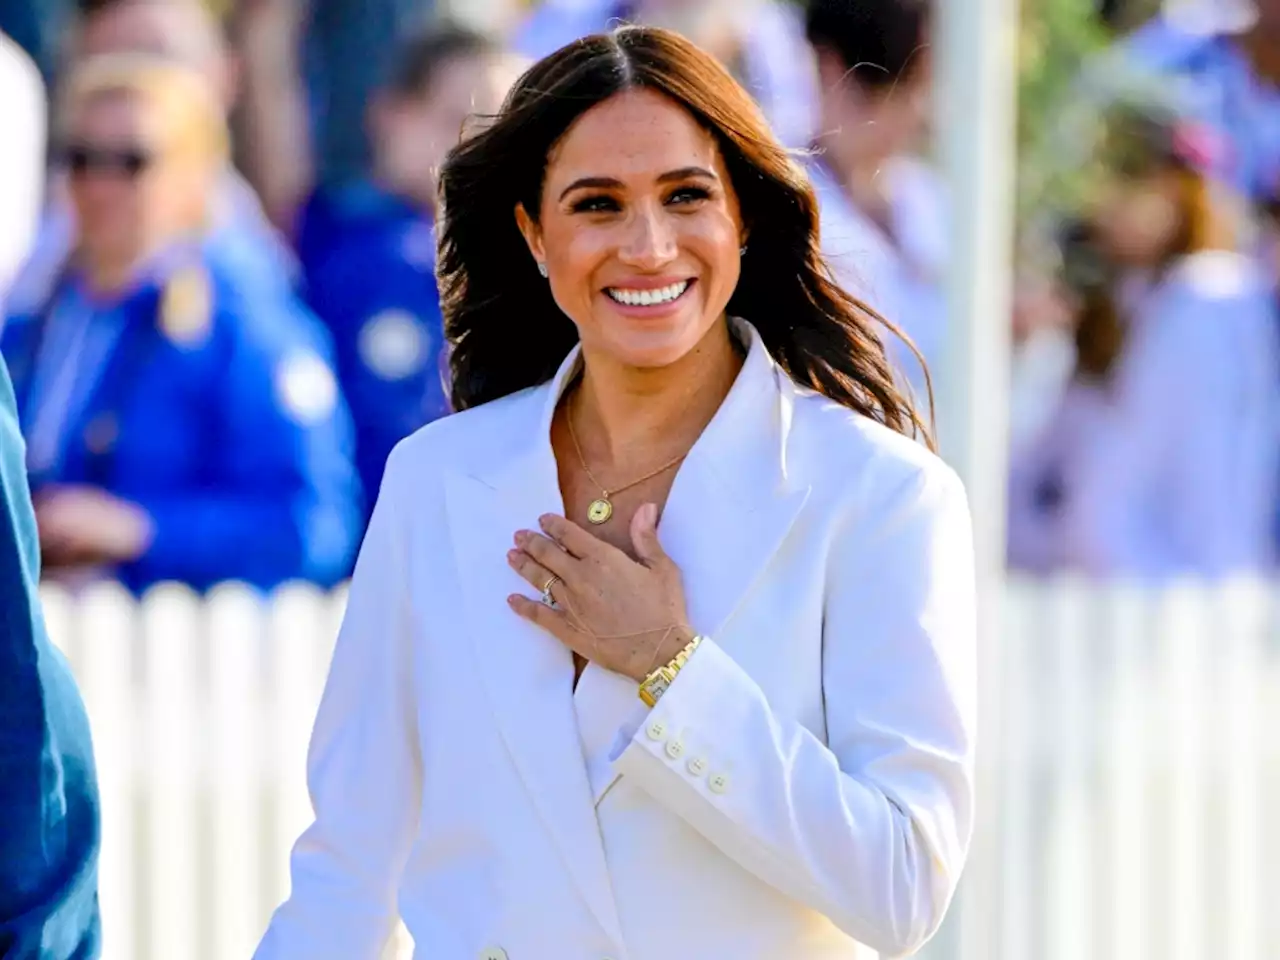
point(599, 511)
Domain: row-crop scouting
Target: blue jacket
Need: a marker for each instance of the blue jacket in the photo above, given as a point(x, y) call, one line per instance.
point(368, 260)
point(206, 396)
point(49, 824)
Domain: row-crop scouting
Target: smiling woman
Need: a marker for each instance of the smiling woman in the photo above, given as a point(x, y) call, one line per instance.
point(743, 700)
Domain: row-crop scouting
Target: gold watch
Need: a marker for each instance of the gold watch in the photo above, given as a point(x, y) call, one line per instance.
point(655, 684)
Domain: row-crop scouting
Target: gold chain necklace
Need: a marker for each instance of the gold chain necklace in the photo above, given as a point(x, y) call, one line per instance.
point(601, 509)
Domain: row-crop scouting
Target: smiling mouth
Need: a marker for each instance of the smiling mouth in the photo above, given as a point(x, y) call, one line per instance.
point(648, 298)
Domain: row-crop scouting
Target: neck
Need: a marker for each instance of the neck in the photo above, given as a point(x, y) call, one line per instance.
point(420, 195)
point(628, 417)
point(108, 275)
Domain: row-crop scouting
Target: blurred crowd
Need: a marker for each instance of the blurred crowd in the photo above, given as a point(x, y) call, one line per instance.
point(217, 262)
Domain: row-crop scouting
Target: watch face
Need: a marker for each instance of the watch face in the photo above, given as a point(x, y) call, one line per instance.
point(659, 686)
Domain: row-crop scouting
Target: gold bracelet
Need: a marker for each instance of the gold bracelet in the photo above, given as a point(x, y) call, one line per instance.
point(657, 682)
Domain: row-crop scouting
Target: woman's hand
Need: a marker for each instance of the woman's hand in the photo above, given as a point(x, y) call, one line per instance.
point(85, 525)
point(625, 615)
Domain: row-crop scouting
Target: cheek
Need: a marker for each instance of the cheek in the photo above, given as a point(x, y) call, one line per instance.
point(576, 250)
point(717, 242)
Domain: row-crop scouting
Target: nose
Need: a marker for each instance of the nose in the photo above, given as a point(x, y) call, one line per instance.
point(651, 244)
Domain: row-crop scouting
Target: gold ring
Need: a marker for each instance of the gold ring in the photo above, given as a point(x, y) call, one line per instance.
point(549, 600)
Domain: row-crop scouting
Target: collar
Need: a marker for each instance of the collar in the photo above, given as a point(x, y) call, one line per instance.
point(746, 437)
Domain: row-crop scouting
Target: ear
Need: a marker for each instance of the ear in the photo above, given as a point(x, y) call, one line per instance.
point(531, 232)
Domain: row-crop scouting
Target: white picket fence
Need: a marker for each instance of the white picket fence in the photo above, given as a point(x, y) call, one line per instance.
point(1136, 769)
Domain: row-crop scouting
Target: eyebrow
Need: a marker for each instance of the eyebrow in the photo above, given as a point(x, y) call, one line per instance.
point(609, 183)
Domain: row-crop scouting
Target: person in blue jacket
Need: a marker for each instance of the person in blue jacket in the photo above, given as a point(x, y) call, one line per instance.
point(182, 416)
point(186, 33)
point(368, 249)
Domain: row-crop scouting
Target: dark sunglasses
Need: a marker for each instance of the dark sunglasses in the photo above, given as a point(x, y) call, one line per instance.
point(81, 159)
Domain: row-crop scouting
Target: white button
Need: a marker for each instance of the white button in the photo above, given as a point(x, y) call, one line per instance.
point(719, 782)
point(675, 749)
point(657, 730)
point(697, 766)
point(493, 953)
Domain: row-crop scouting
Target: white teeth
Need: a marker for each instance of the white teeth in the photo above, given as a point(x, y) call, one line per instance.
point(645, 298)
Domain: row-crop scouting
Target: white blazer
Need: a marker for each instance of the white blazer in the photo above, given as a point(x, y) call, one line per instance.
point(802, 792)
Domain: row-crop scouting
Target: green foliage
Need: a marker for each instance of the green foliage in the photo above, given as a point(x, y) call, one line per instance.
point(1056, 40)
point(1056, 37)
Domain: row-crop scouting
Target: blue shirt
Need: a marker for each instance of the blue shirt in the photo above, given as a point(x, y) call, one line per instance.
point(369, 262)
point(898, 272)
point(49, 821)
point(1170, 467)
point(206, 395)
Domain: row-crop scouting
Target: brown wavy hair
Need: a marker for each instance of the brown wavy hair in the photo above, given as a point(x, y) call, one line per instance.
point(505, 331)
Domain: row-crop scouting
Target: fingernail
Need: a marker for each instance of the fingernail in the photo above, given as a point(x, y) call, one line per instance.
point(512, 555)
point(511, 600)
point(521, 536)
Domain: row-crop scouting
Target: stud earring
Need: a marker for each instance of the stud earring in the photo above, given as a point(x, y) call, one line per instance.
point(542, 269)
point(743, 251)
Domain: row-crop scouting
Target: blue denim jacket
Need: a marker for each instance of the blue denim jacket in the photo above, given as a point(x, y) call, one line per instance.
point(49, 824)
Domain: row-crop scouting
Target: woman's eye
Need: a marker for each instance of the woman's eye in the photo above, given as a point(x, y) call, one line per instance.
point(689, 195)
point(595, 205)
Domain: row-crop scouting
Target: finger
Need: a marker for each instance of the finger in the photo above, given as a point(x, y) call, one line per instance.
point(551, 620)
point(644, 535)
point(523, 564)
point(546, 552)
point(572, 537)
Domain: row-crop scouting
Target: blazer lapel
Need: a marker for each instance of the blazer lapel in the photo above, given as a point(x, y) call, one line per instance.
point(730, 509)
point(527, 672)
point(734, 500)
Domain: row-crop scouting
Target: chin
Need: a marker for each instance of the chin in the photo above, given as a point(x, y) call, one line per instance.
point(649, 345)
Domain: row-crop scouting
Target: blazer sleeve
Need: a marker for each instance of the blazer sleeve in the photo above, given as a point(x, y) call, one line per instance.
point(363, 767)
point(871, 827)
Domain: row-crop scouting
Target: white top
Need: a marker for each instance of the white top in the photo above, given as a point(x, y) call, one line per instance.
point(22, 162)
point(804, 788)
point(1171, 469)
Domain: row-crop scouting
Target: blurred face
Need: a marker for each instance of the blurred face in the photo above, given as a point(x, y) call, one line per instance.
point(127, 195)
point(1137, 220)
point(877, 121)
point(413, 134)
point(640, 230)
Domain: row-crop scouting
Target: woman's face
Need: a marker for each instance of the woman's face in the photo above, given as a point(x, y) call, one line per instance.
point(125, 191)
point(639, 228)
point(1137, 219)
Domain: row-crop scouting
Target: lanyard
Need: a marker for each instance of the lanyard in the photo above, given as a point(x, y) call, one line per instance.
point(74, 350)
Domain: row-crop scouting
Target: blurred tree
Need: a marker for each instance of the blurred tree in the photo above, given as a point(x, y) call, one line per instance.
point(1066, 75)
point(1056, 38)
